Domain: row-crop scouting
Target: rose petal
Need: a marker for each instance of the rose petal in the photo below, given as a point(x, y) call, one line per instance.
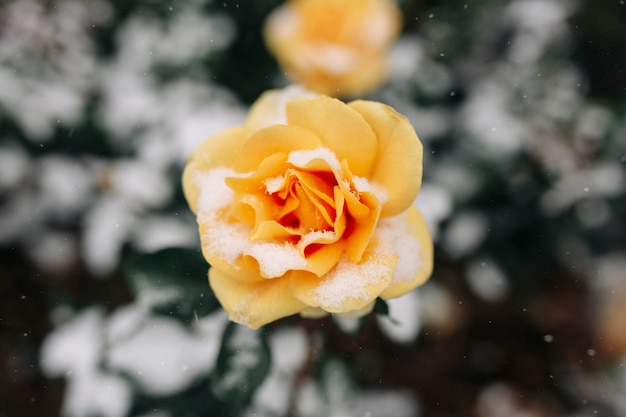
point(270, 167)
point(313, 313)
point(241, 268)
point(254, 304)
point(269, 108)
point(418, 229)
point(325, 258)
point(340, 128)
point(383, 24)
point(355, 314)
point(221, 149)
point(272, 140)
point(372, 73)
point(271, 229)
point(348, 286)
point(362, 229)
point(398, 164)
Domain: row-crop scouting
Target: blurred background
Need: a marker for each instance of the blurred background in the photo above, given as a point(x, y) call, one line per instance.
point(521, 106)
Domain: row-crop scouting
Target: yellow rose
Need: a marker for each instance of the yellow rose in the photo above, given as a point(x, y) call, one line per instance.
point(307, 208)
point(334, 47)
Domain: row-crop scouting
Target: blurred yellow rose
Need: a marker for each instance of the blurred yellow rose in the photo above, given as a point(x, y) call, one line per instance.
point(334, 47)
point(307, 208)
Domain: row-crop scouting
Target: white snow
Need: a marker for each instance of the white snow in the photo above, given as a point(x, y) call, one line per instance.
point(609, 272)
point(66, 184)
point(154, 232)
point(99, 394)
point(163, 357)
point(289, 348)
point(301, 158)
point(14, 163)
point(457, 178)
point(406, 57)
point(394, 231)
point(349, 325)
point(593, 122)
point(383, 403)
point(543, 18)
point(159, 354)
point(337, 398)
point(486, 117)
point(436, 204)
point(19, 216)
point(316, 236)
point(487, 280)
point(42, 97)
point(74, 350)
point(276, 259)
point(245, 343)
point(364, 185)
point(464, 233)
point(349, 281)
point(125, 321)
point(404, 321)
point(106, 227)
point(214, 193)
point(602, 180)
point(140, 183)
point(74, 347)
point(273, 185)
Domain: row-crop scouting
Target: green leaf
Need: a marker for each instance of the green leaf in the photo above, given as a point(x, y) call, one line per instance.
point(242, 364)
point(172, 282)
point(381, 307)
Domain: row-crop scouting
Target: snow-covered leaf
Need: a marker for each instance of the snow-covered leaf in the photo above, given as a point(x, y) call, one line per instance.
point(179, 275)
point(242, 365)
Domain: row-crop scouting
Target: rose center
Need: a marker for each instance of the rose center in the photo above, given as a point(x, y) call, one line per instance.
point(304, 200)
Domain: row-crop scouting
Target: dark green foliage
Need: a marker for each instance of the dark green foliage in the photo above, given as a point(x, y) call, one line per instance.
point(179, 275)
point(242, 365)
point(381, 307)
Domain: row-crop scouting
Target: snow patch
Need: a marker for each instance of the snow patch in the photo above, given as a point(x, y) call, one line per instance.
point(276, 259)
point(404, 320)
point(245, 343)
point(316, 236)
point(74, 350)
point(464, 233)
point(164, 357)
point(301, 158)
point(74, 347)
point(487, 280)
point(436, 204)
point(394, 231)
point(289, 348)
point(275, 184)
point(350, 281)
point(98, 394)
point(14, 163)
point(106, 227)
point(364, 185)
